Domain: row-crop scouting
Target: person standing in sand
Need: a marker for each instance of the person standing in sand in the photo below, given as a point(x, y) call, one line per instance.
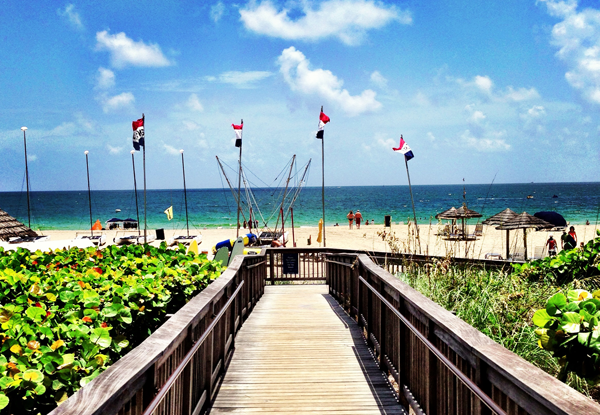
point(358, 218)
point(350, 217)
point(551, 244)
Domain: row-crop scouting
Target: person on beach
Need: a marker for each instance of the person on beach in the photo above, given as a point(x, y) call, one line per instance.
point(551, 244)
point(566, 241)
point(573, 236)
point(350, 217)
point(367, 222)
point(358, 218)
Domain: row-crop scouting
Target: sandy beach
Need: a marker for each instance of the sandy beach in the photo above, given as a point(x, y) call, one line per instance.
point(368, 238)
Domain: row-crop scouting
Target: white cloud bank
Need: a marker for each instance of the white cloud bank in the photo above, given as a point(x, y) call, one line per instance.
point(216, 11)
point(346, 20)
point(125, 51)
point(294, 67)
point(240, 79)
point(72, 16)
point(578, 40)
point(117, 102)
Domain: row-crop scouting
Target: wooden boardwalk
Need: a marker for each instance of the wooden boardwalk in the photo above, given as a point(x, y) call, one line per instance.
point(299, 353)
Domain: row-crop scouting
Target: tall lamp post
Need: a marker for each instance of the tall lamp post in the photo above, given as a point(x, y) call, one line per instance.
point(27, 177)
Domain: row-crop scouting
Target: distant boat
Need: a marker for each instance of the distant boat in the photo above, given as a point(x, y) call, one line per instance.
point(117, 210)
point(529, 196)
point(554, 196)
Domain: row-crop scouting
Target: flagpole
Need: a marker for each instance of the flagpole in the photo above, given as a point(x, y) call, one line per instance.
point(187, 224)
point(323, 181)
point(137, 209)
point(144, 165)
point(413, 203)
point(239, 183)
point(87, 167)
point(27, 178)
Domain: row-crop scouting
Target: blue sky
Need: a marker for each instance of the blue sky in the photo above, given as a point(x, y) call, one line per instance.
point(480, 90)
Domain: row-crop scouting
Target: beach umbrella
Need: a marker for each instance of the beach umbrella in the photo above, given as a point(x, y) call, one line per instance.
point(461, 213)
point(525, 221)
point(501, 218)
point(552, 217)
point(447, 214)
point(10, 227)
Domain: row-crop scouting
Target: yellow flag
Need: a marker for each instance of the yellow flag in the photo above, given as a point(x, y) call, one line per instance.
point(320, 236)
point(193, 247)
point(169, 212)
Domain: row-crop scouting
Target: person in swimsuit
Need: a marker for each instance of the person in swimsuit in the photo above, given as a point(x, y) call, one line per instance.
point(357, 219)
point(350, 217)
point(551, 244)
point(573, 236)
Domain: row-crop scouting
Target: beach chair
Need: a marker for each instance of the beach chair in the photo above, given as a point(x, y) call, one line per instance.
point(478, 230)
point(518, 254)
point(222, 256)
point(492, 255)
point(238, 249)
point(538, 252)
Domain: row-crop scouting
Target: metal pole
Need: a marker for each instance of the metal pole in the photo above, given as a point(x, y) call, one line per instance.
point(323, 181)
point(187, 225)
point(137, 209)
point(239, 184)
point(144, 165)
point(87, 167)
point(27, 178)
point(413, 203)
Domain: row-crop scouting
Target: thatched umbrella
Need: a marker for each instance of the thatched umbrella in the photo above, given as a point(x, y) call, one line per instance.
point(525, 221)
point(501, 218)
point(461, 213)
point(10, 227)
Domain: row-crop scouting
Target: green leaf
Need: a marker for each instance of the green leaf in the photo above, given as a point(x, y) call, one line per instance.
point(571, 322)
point(556, 302)
point(541, 318)
point(33, 375)
point(101, 337)
point(35, 313)
point(3, 401)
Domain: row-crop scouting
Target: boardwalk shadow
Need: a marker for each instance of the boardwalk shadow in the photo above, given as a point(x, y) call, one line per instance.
point(378, 384)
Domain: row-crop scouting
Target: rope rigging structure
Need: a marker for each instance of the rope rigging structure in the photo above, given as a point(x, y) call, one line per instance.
point(267, 202)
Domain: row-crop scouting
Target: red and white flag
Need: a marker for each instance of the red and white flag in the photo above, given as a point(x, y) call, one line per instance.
point(238, 133)
point(323, 119)
point(138, 133)
point(404, 149)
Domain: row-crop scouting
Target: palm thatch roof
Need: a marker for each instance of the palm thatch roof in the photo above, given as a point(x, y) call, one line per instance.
point(501, 217)
point(524, 221)
point(461, 213)
point(10, 227)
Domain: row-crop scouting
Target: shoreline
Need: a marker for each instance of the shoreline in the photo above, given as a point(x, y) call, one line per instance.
point(367, 238)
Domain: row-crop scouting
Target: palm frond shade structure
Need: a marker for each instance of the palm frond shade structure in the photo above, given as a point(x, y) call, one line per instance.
point(10, 227)
point(461, 213)
point(501, 218)
point(525, 221)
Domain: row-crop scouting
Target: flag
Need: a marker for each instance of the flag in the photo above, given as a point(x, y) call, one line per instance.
point(238, 133)
point(323, 119)
point(404, 149)
point(97, 225)
point(138, 133)
point(193, 247)
point(169, 212)
point(320, 235)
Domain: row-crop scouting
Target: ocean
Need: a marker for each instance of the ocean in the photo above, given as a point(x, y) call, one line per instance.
point(210, 208)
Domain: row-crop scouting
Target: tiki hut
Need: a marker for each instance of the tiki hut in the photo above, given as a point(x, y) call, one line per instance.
point(525, 221)
point(10, 227)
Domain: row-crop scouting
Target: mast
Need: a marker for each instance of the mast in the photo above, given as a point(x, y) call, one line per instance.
point(286, 188)
point(323, 181)
point(137, 209)
point(187, 225)
point(27, 178)
point(239, 183)
point(87, 167)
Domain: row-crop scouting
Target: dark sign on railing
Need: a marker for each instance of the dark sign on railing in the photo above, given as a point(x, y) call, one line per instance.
point(290, 263)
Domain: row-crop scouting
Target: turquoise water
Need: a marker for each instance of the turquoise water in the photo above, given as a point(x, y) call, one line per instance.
point(577, 202)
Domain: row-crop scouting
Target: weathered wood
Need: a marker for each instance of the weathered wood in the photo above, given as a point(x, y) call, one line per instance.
point(298, 352)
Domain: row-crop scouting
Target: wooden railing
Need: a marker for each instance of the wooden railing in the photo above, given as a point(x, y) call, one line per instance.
point(440, 364)
point(177, 369)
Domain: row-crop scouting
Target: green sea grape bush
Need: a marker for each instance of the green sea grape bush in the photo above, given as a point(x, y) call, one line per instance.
point(66, 316)
point(568, 265)
point(569, 327)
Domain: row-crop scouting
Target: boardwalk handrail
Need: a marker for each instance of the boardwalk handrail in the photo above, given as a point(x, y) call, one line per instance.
point(130, 384)
point(464, 379)
point(188, 357)
point(424, 380)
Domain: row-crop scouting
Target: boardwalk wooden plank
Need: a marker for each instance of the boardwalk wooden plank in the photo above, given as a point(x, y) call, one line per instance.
point(299, 353)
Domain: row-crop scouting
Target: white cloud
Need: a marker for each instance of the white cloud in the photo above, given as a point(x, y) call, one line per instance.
point(124, 51)
point(387, 143)
point(379, 80)
point(536, 111)
point(32, 157)
point(217, 11)
point(347, 20)
point(109, 104)
point(484, 83)
point(190, 125)
point(72, 16)
point(320, 82)
point(521, 94)
point(194, 104)
point(475, 116)
point(240, 79)
point(496, 143)
point(578, 40)
point(105, 78)
point(430, 136)
point(114, 150)
point(170, 149)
